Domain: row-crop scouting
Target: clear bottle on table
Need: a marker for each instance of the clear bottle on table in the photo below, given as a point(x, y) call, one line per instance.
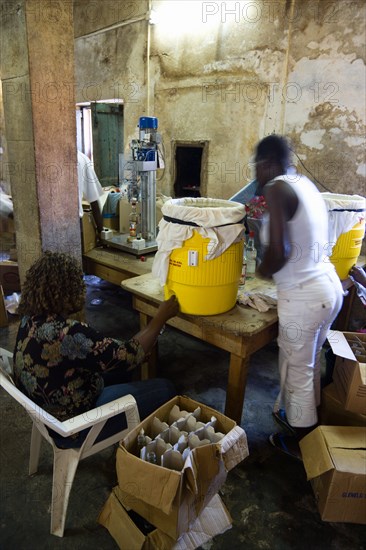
point(243, 267)
point(133, 219)
point(251, 256)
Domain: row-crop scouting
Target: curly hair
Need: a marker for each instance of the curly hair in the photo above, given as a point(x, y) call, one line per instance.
point(54, 284)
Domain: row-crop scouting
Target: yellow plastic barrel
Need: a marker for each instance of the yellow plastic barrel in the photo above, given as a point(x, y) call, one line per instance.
point(348, 244)
point(206, 256)
point(211, 286)
point(347, 249)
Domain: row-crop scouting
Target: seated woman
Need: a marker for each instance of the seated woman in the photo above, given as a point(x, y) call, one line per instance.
point(68, 368)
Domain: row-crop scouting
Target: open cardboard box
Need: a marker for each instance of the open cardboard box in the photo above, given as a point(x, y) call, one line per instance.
point(333, 413)
point(173, 500)
point(349, 374)
point(129, 535)
point(334, 459)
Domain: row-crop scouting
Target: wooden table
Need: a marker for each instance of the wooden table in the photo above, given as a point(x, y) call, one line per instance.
point(115, 265)
point(241, 331)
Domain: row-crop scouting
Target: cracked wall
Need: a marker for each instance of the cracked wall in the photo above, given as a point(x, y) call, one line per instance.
point(230, 73)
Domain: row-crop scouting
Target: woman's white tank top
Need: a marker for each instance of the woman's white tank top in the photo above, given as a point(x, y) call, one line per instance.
point(308, 231)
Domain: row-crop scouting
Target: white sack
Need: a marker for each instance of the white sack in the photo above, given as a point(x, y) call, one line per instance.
point(342, 222)
point(207, 214)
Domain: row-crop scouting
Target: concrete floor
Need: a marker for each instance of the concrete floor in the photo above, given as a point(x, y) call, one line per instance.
point(268, 496)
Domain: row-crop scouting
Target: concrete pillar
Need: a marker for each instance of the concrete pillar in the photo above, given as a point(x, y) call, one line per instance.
point(37, 72)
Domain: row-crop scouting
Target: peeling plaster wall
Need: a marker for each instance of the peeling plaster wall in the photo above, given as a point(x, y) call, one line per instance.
point(327, 124)
point(230, 73)
point(111, 73)
point(111, 64)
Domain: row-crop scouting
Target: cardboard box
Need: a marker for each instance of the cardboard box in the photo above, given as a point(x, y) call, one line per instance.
point(214, 520)
point(111, 221)
point(124, 213)
point(349, 374)
point(9, 276)
point(89, 236)
point(173, 500)
point(334, 459)
point(333, 413)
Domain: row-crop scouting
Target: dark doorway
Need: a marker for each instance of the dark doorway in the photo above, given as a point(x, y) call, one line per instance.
point(188, 165)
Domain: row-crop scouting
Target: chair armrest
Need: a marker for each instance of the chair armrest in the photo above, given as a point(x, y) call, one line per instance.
point(73, 425)
point(94, 416)
point(6, 361)
point(6, 353)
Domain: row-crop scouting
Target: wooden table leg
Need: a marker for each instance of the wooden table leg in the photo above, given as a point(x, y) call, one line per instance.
point(237, 379)
point(148, 368)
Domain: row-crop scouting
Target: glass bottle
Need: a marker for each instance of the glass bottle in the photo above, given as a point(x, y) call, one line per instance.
point(243, 267)
point(251, 256)
point(151, 457)
point(141, 440)
point(133, 219)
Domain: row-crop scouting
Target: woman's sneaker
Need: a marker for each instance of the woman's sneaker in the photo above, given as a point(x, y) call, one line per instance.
point(281, 419)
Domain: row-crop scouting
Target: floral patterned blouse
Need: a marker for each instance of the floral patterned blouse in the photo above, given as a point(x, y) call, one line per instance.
point(58, 363)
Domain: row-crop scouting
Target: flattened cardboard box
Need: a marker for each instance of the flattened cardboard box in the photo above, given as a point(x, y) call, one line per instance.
point(335, 461)
point(333, 413)
point(173, 500)
point(213, 520)
point(349, 374)
point(89, 232)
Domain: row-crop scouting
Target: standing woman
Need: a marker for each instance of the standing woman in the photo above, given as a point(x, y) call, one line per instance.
point(310, 293)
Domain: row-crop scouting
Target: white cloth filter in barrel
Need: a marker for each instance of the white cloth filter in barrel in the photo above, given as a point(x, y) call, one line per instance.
point(200, 251)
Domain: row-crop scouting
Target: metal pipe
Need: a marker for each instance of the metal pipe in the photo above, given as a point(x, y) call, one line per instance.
point(112, 27)
point(148, 46)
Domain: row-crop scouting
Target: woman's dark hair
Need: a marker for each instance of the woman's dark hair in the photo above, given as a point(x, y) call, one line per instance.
point(53, 284)
point(274, 148)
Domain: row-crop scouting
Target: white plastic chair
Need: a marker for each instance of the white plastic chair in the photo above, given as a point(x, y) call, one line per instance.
point(66, 460)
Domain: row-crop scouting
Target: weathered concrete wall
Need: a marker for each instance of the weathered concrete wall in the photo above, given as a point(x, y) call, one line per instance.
point(112, 64)
point(327, 64)
point(19, 169)
point(230, 73)
point(37, 70)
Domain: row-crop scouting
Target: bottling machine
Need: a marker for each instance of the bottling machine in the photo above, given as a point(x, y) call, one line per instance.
point(141, 193)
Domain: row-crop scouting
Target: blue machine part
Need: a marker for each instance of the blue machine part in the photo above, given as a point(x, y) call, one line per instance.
point(148, 122)
point(146, 154)
point(246, 193)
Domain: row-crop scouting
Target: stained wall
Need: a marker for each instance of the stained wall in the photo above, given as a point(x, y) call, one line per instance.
point(230, 73)
point(37, 71)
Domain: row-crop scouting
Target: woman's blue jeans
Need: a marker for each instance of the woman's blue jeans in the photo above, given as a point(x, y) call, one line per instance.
point(149, 395)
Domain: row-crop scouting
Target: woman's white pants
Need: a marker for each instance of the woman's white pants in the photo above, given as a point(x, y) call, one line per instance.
point(305, 313)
